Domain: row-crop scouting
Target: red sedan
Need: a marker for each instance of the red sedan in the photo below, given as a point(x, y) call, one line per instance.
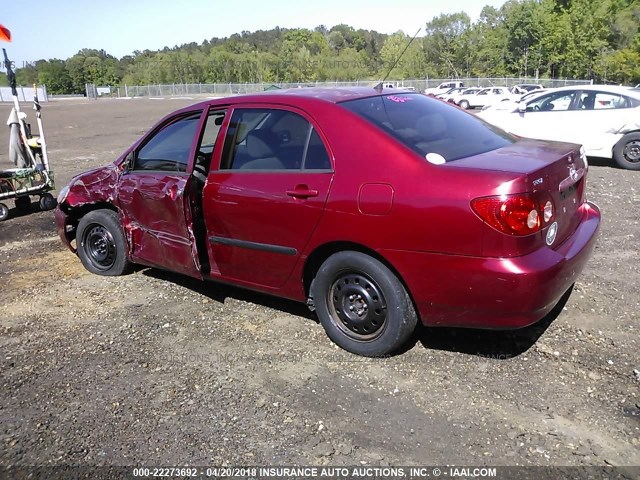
point(377, 208)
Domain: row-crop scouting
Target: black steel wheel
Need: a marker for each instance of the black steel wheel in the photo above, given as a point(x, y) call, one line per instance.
point(626, 153)
point(359, 304)
point(362, 305)
point(101, 244)
point(4, 212)
point(23, 203)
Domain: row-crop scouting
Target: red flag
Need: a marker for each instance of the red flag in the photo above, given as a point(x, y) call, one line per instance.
point(5, 34)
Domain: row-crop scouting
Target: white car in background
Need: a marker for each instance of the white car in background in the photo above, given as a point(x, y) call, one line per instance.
point(512, 104)
point(524, 88)
point(449, 94)
point(604, 119)
point(443, 87)
point(487, 96)
point(459, 96)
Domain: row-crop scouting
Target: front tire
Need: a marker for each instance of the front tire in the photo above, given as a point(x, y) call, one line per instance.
point(464, 104)
point(102, 247)
point(362, 305)
point(626, 153)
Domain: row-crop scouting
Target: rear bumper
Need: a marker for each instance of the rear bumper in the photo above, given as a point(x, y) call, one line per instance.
point(451, 290)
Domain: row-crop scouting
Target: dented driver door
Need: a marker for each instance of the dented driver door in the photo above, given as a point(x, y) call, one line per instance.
point(152, 198)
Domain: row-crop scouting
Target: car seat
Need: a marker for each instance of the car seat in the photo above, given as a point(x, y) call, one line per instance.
point(588, 102)
point(261, 149)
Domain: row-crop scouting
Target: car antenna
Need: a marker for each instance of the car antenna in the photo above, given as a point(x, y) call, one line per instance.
point(380, 86)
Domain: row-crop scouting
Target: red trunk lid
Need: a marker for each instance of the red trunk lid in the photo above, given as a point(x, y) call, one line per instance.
point(540, 166)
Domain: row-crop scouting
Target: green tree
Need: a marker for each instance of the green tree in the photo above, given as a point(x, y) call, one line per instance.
point(410, 64)
point(488, 44)
point(596, 39)
point(446, 44)
point(27, 75)
point(53, 74)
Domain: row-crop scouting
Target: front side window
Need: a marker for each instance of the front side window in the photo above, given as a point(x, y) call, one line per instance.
point(272, 139)
point(168, 149)
point(429, 126)
point(557, 102)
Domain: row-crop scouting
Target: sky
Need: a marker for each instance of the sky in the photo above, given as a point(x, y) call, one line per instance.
point(60, 28)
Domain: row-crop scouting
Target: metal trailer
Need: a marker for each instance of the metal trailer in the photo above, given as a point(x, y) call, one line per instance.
point(33, 177)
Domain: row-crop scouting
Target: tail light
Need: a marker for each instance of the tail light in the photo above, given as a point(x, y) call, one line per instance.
point(520, 214)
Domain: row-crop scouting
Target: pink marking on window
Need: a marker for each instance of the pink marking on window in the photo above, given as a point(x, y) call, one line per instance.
point(396, 99)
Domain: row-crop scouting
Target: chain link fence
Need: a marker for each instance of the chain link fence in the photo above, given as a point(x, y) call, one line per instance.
point(224, 89)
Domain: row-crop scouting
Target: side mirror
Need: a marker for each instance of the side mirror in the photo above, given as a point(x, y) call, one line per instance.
point(127, 165)
point(522, 107)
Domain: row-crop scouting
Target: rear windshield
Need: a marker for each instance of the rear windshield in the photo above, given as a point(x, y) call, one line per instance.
point(434, 129)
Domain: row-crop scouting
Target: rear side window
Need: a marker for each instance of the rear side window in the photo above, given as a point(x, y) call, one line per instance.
point(272, 139)
point(429, 126)
point(592, 100)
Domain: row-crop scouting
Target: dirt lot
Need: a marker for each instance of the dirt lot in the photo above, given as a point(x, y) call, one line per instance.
point(156, 369)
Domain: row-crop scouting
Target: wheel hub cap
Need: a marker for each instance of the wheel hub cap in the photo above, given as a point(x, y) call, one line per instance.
point(632, 151)
point(359, 306)
point(100, 246)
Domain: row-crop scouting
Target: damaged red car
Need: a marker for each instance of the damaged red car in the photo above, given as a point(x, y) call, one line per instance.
point(378, 208)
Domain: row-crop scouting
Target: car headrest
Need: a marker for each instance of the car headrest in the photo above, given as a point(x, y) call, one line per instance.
point(588, 102)
point(399, 119)
point(260, 144)
point(431, 127)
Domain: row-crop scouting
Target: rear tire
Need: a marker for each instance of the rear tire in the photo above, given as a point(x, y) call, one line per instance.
point(362, 305)
point(102, 247)
point(626, 153)
point(464, 104)
point(4, 212)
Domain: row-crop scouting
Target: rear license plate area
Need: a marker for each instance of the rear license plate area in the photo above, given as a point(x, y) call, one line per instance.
point(569, 192)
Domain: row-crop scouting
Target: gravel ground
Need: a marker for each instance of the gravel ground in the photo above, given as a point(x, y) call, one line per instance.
point(158, 369)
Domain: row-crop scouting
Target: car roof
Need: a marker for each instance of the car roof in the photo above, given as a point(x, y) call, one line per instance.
point(300, 96)
point(601, 88)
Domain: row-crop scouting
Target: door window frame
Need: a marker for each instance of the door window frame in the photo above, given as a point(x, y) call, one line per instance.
point(131, 167)
point(219, 141)
point(218, 151)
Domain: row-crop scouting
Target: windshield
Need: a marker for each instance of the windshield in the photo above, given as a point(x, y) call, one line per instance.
point(434, 129)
